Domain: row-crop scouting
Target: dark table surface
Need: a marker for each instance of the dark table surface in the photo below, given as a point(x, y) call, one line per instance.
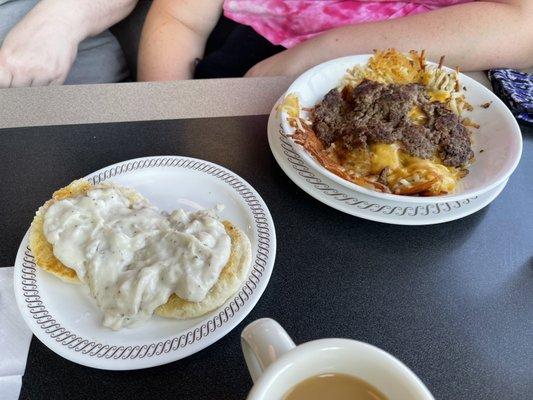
point(453, 301)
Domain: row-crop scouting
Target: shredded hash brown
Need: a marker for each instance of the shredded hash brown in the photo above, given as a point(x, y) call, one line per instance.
point(385, 167)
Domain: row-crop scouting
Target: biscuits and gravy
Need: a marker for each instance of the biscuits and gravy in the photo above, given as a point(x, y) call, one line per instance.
point(135, 259)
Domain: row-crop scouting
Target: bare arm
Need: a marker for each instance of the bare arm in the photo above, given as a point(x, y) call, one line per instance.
point(174, 35)
point(90, 16)
point(41, 48)
point(83, 17)
point(475, 36)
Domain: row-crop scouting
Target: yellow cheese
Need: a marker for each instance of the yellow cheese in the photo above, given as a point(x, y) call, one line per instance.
point(418, 116)
point(358, 161)
point(417, 169)
point(406, 167)
point(441, 96)
point(291, 105)
point(384, 155)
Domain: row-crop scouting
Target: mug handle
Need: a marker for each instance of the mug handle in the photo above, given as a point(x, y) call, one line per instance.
point(262, 342)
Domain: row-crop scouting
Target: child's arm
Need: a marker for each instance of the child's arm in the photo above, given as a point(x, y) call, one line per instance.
point(474, 36)
point(173, 36)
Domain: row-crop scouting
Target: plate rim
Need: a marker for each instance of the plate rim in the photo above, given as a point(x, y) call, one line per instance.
point(366, 211)
point(183, 343)
point(359, 58)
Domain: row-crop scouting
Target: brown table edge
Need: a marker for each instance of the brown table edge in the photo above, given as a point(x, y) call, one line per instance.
point(124, 102)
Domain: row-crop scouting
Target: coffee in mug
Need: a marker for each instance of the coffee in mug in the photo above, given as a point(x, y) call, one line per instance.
point(334, 386)
point(332, 369)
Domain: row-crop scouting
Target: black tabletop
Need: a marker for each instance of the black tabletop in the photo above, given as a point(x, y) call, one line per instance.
point(453, 301)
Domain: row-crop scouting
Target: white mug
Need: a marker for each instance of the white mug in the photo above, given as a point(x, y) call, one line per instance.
point(276, 364)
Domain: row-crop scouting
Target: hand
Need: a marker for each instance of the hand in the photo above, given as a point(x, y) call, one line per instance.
point(37, 52)
point(287, 63)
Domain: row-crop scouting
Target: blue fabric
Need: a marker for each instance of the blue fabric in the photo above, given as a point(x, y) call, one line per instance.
point(515, 88)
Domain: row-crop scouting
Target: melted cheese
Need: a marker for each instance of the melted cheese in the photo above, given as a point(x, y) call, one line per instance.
point(418, 116)
point(290, 105)
point(403, 167)
point(358, 162)
point(442, 96)
point(384, 155)
point(415, 169)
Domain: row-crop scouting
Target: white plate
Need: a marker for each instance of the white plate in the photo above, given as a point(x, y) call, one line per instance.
point(498, 136)
point(359, 204)
point(65, 318)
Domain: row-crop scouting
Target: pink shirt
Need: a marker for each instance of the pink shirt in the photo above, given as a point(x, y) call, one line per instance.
point(289, 22)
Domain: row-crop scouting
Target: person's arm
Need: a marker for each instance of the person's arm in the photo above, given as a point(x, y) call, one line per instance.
point(173, 36)
point(41, 48)
point(474, 36)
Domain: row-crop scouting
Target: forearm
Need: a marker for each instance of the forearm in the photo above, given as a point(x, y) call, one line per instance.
point(41, 48)
point(475, 36)
point(167, 50)
point(82, 18)
point(174, 36)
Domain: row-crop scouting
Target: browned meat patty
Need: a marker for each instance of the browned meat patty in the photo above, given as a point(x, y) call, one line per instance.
point(375, 112)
